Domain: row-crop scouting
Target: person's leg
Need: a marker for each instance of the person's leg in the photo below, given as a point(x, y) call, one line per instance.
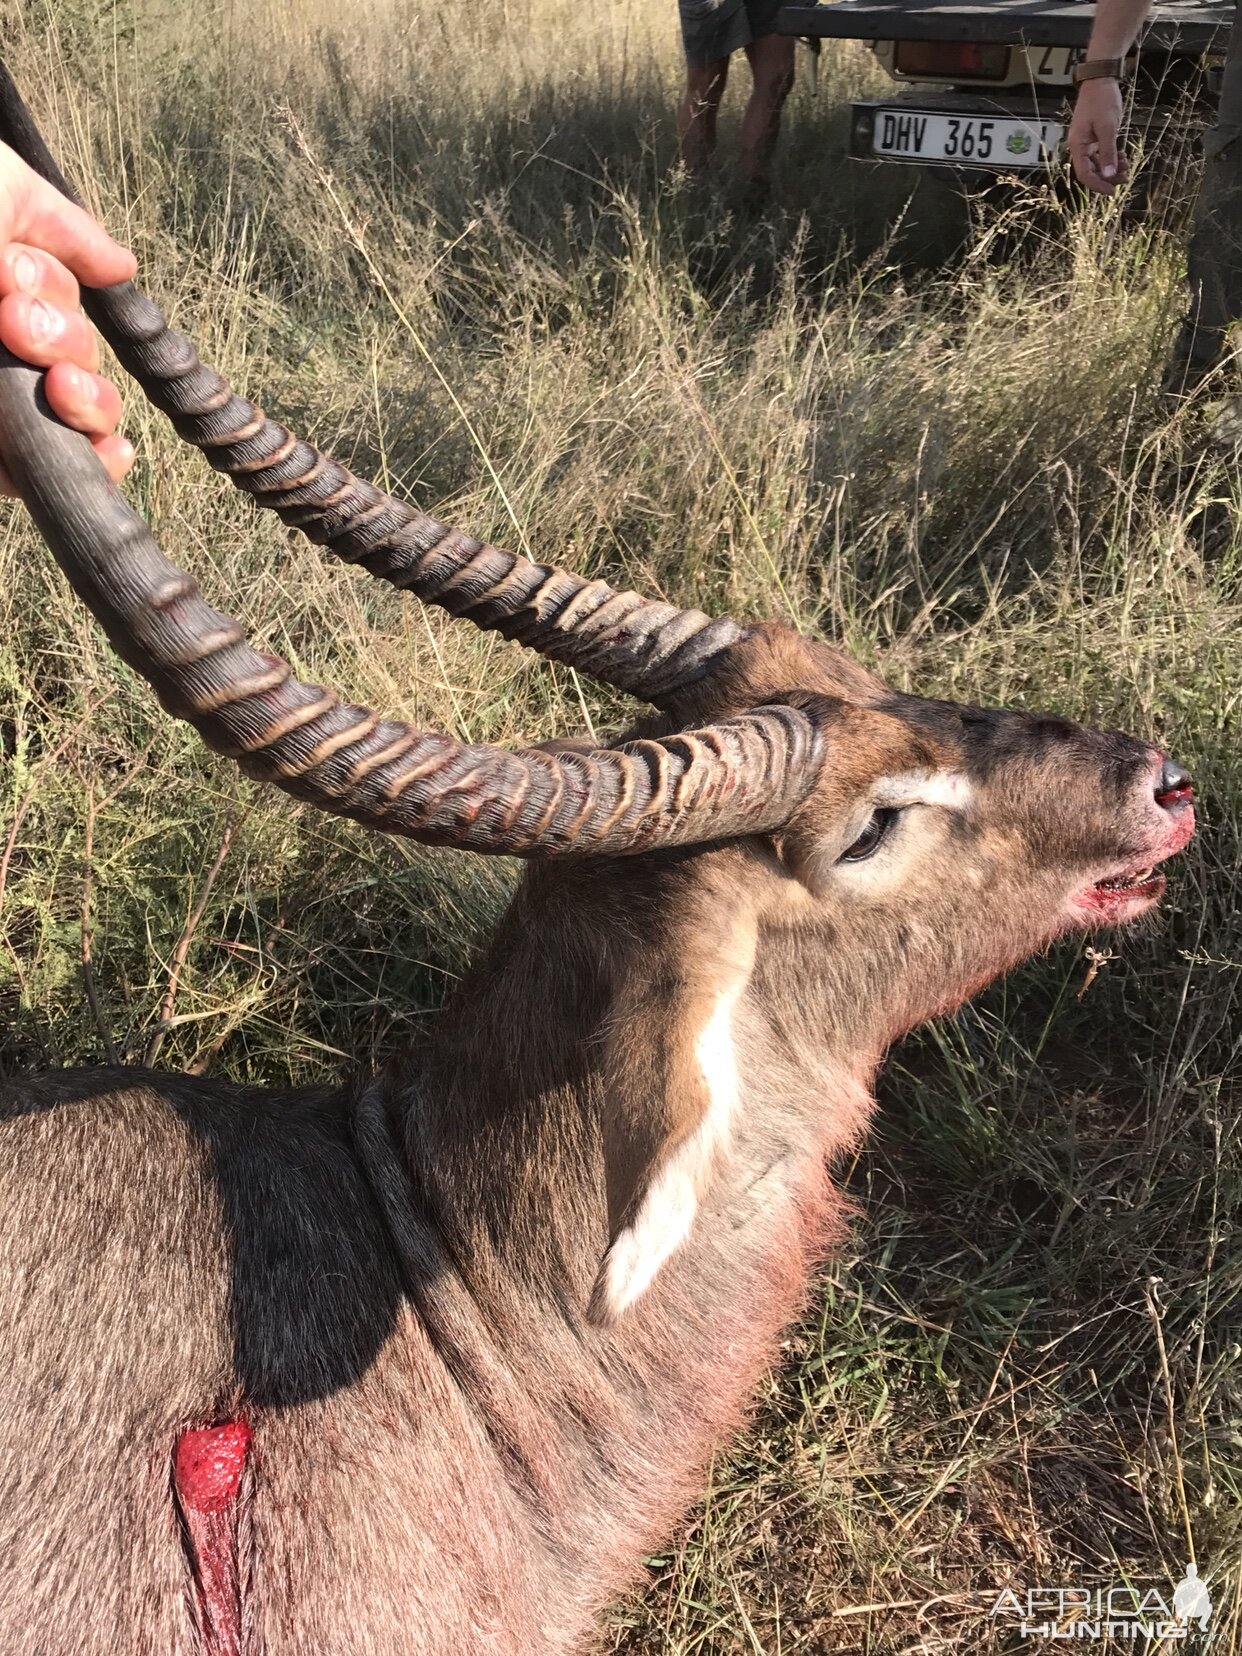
point(1214, 264)
point(772, 65)
point(696, 119)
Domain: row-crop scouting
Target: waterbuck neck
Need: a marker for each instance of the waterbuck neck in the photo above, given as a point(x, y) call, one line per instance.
point(603, 979)
point(501, 1204)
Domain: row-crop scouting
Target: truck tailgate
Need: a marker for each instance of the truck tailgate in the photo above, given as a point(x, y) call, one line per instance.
point(1184, 25)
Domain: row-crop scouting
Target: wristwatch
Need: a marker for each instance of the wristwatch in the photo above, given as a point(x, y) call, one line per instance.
point(1099, 69)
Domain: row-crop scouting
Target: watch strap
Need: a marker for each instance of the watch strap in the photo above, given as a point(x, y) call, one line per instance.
point(1099, 69)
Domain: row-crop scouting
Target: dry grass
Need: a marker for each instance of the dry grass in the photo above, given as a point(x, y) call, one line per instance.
point(448, 242)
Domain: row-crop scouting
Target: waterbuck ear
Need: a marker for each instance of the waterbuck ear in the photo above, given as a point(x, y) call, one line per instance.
point(672, 1093)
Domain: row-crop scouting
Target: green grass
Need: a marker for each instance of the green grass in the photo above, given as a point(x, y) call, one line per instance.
point(451, 245)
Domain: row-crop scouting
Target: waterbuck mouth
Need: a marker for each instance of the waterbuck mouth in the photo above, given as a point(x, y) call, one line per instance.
point(1121, 896)
point(1137, 885)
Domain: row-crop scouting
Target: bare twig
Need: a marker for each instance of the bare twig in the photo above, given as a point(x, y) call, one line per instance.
point(1151, 1289)
point(182, 949)
point(202, 1063)
point(47, 760)
point(93, 810)
point(1096, 959)
point(139, 764)
point(88, 971)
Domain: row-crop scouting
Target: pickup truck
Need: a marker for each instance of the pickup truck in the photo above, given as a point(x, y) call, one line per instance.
point(986, 87)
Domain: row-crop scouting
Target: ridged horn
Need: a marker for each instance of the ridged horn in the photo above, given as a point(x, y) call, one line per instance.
point(648, 649)
point(744, 775)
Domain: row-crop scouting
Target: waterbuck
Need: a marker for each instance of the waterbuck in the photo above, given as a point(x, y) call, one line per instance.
point(423, 1363)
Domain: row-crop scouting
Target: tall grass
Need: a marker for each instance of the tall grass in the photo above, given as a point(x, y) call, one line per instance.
point(450, 244)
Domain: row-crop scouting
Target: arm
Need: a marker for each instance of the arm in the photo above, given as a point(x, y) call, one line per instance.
point(47, 245)
point(1097, 113)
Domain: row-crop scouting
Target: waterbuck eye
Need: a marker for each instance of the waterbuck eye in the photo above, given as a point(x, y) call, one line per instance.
point(872, 836)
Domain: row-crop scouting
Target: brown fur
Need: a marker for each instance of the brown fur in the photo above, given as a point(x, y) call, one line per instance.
point(655, 1094)
point(391, 1281)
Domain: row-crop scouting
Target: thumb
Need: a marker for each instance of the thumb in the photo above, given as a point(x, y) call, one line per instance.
point(34, 211)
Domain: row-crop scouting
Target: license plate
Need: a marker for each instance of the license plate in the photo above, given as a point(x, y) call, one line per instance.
point(1052, 65)
point(965, 140)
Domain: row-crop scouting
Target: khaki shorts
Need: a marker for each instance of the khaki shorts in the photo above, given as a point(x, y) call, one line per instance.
point(715, 29)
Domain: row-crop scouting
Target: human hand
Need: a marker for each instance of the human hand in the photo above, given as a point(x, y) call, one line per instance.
point(1092, 140)
point(47, 246)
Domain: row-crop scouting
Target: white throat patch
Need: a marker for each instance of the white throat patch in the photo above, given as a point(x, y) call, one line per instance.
point(667, 1210)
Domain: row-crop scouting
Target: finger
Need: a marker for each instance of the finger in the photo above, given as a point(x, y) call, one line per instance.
point(87, 402)
point(1081, 165)
point(29, 270)
point(44, 217)
point(1106, 155)
point(1079, 143)
point(117, 455)
point(42, 333)
point(1087, 168)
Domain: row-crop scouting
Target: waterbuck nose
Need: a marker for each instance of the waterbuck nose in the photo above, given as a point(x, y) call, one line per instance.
point(1175, 784)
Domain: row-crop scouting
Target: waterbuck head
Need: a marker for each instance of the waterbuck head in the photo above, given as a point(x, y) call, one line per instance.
point(854, 859)
point(941, 844)
point(938, 846)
